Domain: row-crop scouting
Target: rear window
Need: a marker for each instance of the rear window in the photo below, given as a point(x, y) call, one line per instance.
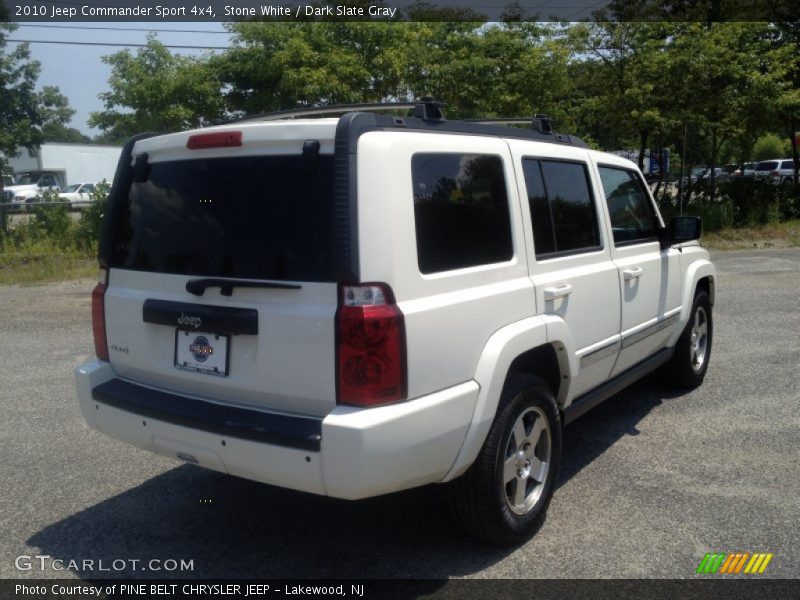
point(562, 207)
point(246, 217)
point(767, 165)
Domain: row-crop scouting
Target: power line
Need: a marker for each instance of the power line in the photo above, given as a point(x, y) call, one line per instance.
point(117, 44)
point(125, 29)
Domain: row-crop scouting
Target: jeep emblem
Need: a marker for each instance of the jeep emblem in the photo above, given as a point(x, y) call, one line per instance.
point(189, 320)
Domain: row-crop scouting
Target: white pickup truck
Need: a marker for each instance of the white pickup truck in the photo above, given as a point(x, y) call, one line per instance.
point(29, 187)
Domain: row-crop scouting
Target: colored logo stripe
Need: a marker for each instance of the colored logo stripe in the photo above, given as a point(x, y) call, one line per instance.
point(711, 562)
point(734, 563)
point(731, 564)
point(758, 564)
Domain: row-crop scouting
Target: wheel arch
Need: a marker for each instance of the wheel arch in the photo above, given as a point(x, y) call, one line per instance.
point(538, 346)
point(701, 274)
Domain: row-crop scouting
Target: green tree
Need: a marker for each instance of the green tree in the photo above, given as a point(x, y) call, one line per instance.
point(788, 101)
point(276, 66)
point(625, 99)
point(155, 90)
point(24, 111)
point(731, 74)
point(57, 132)
point(769, 146)
point(501, 70)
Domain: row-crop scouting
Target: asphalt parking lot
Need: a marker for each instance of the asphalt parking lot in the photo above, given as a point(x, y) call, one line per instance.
point(651, 480)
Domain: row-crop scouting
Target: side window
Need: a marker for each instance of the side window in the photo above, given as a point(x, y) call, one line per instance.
point(460, 210)
point(46, 181)
point(562, 208)
point(632, 217)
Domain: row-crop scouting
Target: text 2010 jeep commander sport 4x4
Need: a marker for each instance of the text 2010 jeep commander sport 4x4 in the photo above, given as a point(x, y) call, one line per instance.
point(358, 305)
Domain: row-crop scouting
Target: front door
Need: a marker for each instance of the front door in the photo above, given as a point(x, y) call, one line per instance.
point(649, 277)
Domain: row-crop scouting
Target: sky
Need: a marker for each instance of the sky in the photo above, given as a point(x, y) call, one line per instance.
point(78, 71)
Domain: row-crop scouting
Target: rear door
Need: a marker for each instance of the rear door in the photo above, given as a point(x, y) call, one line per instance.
point(572, 269)
point(221, 279)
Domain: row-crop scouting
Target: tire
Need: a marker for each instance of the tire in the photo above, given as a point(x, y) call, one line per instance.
point(689, 364)
point(489, 500)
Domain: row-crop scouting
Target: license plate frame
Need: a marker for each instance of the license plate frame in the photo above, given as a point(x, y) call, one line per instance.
point(202, 352)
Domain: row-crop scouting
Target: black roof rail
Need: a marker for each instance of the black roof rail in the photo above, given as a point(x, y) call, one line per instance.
point(541, 122)
point(427, 115)
point(427, 108)
point(312, 111)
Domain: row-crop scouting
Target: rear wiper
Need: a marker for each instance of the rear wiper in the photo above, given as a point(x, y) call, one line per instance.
point(198, 286)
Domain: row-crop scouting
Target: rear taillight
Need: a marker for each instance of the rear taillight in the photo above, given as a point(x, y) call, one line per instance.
point(370, 346)
point(775, 174)
point(99, 317)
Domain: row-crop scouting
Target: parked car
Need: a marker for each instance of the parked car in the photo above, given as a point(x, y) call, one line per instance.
point(29, 188)
point(746, 170)
point(359, 305)
point(778, 170)
point(78, 194)
point(701, 173)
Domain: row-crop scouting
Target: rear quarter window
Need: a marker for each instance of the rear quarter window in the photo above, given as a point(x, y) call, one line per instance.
point(461, 211)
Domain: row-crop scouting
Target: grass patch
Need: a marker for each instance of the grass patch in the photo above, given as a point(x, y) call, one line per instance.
point(776, 235)
point(38, 263)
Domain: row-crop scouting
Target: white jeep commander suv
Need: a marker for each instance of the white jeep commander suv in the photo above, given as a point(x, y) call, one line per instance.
point(358, 305)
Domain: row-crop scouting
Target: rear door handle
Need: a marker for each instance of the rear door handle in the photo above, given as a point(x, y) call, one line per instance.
point(632, 273)
point(557, 291)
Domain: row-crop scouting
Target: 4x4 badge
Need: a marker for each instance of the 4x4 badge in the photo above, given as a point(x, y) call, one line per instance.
point(191, 321)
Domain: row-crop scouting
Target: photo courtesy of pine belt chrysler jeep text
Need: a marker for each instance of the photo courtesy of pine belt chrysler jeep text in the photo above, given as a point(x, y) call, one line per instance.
point(365, 303)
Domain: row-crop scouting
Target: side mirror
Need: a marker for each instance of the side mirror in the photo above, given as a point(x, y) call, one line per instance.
point(681, 229)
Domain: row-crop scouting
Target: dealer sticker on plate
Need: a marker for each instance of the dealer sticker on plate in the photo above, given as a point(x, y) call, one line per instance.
point(202, 352)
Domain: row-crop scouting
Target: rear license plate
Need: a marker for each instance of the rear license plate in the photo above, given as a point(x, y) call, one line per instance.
point(202, 352)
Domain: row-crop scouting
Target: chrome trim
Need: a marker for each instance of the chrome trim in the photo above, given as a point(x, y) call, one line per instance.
point(594, 356)
point(638, 336)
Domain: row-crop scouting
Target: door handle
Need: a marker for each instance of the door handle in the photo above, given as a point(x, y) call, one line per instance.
point(632, 273)
point(557, 291)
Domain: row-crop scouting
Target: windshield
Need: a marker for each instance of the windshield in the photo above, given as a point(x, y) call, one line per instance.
point(25, 180)
point(699, 170)
point(72, 188)
point(250, 217)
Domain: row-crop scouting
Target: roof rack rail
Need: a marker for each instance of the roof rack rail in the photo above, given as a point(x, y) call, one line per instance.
point(541, 122)
point(426, 108)
point(427, 116)
point(331, 109)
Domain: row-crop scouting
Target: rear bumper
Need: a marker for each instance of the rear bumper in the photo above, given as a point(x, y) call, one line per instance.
point(351, 453)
